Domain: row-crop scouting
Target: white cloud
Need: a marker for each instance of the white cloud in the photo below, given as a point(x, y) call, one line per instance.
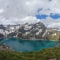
point(21, 11)
point(49, 22)
point(28, 19)
point(54, 25)
point(1, 11)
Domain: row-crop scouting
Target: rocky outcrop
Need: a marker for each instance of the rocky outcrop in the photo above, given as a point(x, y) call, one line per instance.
point(32, 31)
point(12, 34)
point(53, 35)
point(4, 47)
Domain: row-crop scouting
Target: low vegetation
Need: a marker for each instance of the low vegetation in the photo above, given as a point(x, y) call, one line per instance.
point(45, 54)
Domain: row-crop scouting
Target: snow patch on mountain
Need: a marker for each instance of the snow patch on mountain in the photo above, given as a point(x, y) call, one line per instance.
point(27, 27)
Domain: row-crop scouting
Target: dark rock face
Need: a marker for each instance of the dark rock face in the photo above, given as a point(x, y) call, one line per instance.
point(2, 27)
point(32, 31)
point(1, 36)
point(13, 34)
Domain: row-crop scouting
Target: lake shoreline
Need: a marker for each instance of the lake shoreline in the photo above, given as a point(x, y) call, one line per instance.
point(28, 45)
point(38, 39)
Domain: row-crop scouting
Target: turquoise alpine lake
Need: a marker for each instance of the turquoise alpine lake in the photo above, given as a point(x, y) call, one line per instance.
point(28, 45)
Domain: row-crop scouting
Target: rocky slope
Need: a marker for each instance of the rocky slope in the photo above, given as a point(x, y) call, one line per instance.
point(53, 35)
point(32, 31)
point(29, 31)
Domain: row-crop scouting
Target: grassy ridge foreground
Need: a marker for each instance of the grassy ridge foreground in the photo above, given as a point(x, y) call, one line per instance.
point(45, 54)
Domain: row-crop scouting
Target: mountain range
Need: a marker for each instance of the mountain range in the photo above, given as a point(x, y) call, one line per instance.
point(29, 31)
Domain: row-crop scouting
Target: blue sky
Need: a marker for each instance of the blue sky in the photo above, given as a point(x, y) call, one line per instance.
point(44, 16)
point(30, 11)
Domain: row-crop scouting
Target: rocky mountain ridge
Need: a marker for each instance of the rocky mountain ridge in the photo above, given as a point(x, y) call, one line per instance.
point(32, 31)
point(29, 31)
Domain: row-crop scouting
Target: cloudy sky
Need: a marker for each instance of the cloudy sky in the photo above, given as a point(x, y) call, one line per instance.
point(31, 11)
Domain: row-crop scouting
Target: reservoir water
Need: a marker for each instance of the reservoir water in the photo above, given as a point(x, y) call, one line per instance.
point(28, 45)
